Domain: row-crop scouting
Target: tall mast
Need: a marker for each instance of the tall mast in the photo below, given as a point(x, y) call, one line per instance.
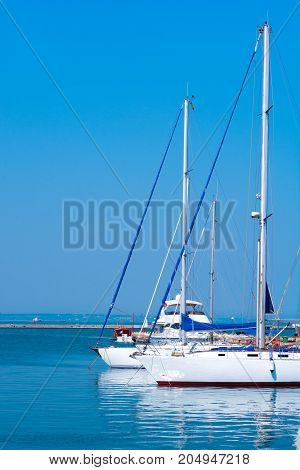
point(263, 191)
point(256, 214)
point(212, 262)
point(184, 209)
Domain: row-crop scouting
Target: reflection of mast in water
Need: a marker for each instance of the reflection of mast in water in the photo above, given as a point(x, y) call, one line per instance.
point(297, 440)
point(265, 420)
point(179, 418)
point(215, 417)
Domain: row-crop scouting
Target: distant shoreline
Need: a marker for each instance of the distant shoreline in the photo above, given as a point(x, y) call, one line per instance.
point(58, 326)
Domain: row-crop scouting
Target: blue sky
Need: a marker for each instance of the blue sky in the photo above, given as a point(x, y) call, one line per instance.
point(124, 67)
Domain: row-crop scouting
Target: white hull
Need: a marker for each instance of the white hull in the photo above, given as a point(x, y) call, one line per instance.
point(219, 368)
point(124, 339)
point(119, 357)
point(171, 334)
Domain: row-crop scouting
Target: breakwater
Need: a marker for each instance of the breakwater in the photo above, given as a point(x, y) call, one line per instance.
point(57, 326)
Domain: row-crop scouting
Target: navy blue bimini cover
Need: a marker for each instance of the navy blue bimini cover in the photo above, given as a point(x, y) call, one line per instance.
point(190, 325)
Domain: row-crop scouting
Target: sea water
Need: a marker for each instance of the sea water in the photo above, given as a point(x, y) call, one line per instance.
point(50, 399)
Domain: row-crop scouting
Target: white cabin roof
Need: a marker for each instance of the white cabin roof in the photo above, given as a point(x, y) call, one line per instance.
point(176, 301)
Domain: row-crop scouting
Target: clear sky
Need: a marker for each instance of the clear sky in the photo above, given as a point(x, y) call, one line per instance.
point(123, 66)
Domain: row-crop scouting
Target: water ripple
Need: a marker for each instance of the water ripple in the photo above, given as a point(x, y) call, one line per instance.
point(121, 409)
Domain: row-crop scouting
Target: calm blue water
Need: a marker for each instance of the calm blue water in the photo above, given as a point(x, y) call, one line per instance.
point(49, 399)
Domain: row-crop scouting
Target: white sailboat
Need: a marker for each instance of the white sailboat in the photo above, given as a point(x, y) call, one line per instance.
point(167, 330)
point(170, 316)
point(263, 366)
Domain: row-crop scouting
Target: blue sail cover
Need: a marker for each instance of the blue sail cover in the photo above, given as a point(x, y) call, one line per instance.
point(190, 325)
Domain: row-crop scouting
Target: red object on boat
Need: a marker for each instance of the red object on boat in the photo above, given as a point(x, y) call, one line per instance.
point(121, 330)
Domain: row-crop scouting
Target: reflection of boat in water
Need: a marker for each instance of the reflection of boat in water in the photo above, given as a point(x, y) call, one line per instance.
point(236, 414)
point(125, 376)
point(200, 418)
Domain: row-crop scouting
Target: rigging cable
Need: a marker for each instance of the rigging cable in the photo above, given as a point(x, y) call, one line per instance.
point(291, 97)
point(199, 241)
point(251, 264)
point(270, 227)
point(193, 293)
point(248, 195)
point(203, 193)
point(287, 285)
point(138, 230)
point(160, 275)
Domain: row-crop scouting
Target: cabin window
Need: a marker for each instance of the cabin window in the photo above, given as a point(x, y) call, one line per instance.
point(252, 355)
point(221, 354)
